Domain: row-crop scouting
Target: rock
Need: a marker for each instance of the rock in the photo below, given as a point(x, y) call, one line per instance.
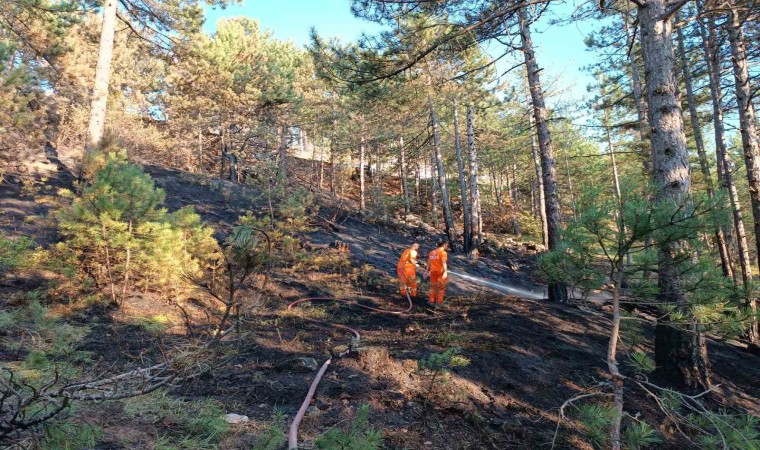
point(301, 364)
point(235, 418)
point(312, 410)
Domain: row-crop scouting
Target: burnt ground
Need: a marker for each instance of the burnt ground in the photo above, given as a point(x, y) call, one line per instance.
point(526, 357)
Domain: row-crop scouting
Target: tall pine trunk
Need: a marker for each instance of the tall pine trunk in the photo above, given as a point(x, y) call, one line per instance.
point(472, 152)
point(539, 201)
point(333, 150)
point(638, 94)
point(282, 167)
point(362, 194)
point(448, 216)
point(570, 186)
point(723, 161)
point(720, 238)
point(466, 218)
point(557, 291)
point(403, 173)
point(680, 356)
point(750, 140)
point(433, 190)
point(99, 99)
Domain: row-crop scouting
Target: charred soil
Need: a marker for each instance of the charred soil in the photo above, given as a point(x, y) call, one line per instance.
point(525, 357)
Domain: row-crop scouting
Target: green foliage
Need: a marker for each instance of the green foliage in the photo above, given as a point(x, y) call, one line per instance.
point(597, 421)
point(272, 438)
point(724, 430)
point(442, 362)
point(293, 212)
point(358, 435)
point(49, 343)
point(117, 234)
point(608, 233)
point(70, 435)
point(641, 363)
point(196, 424)
point(13, 253)
point(639, 434)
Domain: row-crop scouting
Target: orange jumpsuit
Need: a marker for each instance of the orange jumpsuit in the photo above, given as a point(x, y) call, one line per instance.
point(437, 258)
point(407, 272)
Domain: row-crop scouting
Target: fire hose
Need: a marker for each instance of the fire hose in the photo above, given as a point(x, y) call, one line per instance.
point(293, 432)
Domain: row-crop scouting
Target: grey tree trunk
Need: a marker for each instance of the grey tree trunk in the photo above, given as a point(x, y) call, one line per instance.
point(433, 189)
point(475, 230)
point(680, 356)
point(333, 150)
point(570, 186)
point(750, 140)
point(282, 167)
point(362, 205)
point(723, 163)
point(403, 169)
point(466, 218)
point(638, 95)
point(496, 190)
point(322, 163)
point(540, 199)
point(448, 215)
point(720, 238)
point(417, 182)
point(99, 99)
point(557, 291)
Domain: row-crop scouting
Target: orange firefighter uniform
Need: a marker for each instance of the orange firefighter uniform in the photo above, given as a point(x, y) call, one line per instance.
point(438, 275)
point(407, 272)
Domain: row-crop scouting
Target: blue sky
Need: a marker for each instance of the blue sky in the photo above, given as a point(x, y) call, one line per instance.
point(560, 49)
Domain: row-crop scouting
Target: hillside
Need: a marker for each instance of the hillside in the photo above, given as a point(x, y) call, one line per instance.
point(524, 358)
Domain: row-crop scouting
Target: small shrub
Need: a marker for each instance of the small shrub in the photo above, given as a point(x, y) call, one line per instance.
point(439, 364)
point(272, 438)
point(597, 421)
point(70, 435)
point(358, 435)
point(195, 424)
point(14, 253)
point(118, 235)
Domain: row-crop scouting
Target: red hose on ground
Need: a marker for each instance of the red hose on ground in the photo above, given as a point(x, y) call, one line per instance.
point(293, 431)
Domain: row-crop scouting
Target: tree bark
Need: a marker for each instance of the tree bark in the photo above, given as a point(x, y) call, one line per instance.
point(539, 201)
point(638, 95)
point(466, 218)
point(333, 150)
point(322, 162)
point(496, 190)
point(403, 169)
point(417, 183)
point(362, 205)
point(282, 167)
point(475, 231)
point(723, 163)
point(750, 140)
point(720, 238)
point(570, 187)
point(433, 190)
point(557, 291)
point(102, 76)
point(448, 215)
point(680, 356)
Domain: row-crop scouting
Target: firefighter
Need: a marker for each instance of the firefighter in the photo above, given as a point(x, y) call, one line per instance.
point(439, 273)
point(407, 270)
